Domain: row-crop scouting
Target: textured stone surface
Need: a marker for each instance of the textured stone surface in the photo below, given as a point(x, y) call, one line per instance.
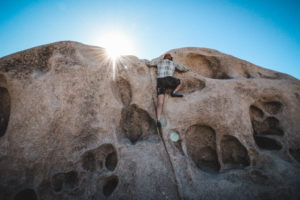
point(69, 131)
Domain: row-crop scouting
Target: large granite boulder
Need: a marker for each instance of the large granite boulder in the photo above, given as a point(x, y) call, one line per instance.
point(70, 129)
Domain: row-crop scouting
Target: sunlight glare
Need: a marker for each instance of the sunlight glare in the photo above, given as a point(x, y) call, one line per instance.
point(116, 45)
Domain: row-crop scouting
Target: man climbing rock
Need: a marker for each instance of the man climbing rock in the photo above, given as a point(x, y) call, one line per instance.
point(165, 80)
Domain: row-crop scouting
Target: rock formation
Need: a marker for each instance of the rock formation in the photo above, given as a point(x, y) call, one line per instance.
point(68, 130)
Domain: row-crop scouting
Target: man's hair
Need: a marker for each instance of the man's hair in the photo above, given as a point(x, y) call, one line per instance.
point(167, 55)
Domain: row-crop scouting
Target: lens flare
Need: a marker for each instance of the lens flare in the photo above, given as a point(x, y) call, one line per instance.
point(116, 44)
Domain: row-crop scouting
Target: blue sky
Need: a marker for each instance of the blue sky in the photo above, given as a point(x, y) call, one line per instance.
point(264, 32)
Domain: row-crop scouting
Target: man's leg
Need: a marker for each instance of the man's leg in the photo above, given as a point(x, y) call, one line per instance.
point(160, 103)
point(178, 87)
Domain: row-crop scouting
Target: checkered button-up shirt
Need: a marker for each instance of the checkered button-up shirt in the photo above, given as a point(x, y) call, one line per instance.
point(166, 67)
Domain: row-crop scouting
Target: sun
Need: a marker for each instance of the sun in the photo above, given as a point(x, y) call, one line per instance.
point(117, 44)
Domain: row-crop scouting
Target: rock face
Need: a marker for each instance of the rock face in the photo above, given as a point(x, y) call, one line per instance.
point(68, 130)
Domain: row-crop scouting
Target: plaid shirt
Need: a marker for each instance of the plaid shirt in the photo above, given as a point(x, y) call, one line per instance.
point(166, 67)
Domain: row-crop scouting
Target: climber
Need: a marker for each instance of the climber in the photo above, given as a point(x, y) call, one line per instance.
point(165, 80)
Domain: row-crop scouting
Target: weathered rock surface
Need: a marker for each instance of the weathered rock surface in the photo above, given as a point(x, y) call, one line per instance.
point(69, 131)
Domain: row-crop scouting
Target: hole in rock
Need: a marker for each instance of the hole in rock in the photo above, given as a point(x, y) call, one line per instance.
point(45, 188)
point(255, 112)
point(71, 179)
point(108, 155)
point(201, 147)
point(94, 159)
point(234, 153)
point(273, 107)
point(110, 185)
point(89, 161)
point(247, 74)
point(208, 66)
point(272, 122)
point(222, 75)
point(273, 127)
point(207, 161)
point(295, 153)
point(58, 181)
point(122, 90)
point(269, 126)
point(111, 161)
point(136, 124)
point(27, 194)
point(4, 110)
point(267, 143)
point(192, 85)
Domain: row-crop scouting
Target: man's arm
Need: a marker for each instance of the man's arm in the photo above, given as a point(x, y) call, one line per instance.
point(180, 67)
point(151, 63)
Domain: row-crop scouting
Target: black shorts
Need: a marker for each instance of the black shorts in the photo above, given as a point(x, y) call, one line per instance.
point(168, 82)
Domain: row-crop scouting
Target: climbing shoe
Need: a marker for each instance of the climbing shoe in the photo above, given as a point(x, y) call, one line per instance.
point(176, 94)
point(159, 124)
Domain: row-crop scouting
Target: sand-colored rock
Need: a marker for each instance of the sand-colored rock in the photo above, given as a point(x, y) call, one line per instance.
point(69, 131)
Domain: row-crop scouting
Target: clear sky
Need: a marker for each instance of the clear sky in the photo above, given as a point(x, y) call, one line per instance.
point(264, 32)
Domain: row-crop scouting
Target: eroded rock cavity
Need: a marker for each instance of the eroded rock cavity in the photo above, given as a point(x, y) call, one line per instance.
point(201, 147)
point(273, 107)
point(122, 90)
point(27, 194)
point(136, 124)
point(208, 66)
point(267, 130)
point(234, 154)
point(192, 85)
point(96, 159)
point(110, 184)
point(67, 181)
